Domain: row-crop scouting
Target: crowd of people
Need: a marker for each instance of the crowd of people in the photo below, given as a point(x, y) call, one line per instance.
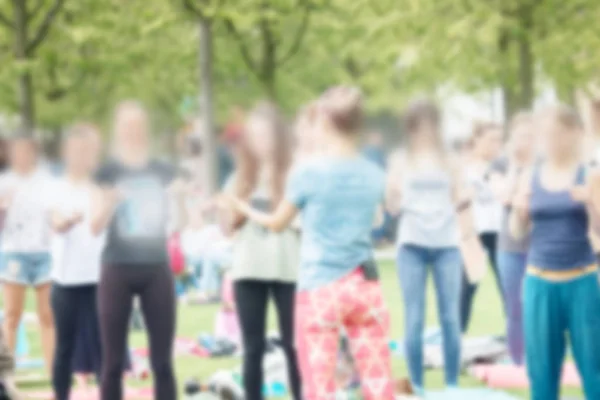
point(296, 222)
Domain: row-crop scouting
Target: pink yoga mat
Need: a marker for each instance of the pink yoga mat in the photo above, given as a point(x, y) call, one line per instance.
point(501, 376)
point(130, 394)
point(182, 347)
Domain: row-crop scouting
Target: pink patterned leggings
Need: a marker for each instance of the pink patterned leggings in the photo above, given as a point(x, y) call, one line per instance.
point(356, 306)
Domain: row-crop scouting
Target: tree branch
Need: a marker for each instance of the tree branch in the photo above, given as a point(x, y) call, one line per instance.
point(59, 92)
point(250, 63)
point(6, 22)
point(297, 43)
point(35, 11)
point(189, 5)
point(44, 28)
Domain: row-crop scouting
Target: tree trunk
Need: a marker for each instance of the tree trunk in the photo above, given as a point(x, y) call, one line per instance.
point(270, 86)
point(207, 105)
point(508, 93)
point(25, 81)
point(269, 61)
point(26, 106)
point(526, 60)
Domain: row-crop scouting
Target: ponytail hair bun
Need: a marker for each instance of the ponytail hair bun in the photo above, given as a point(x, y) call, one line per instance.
point(343, 106)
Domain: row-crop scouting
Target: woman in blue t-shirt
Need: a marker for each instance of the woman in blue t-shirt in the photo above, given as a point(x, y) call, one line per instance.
point(338, 195)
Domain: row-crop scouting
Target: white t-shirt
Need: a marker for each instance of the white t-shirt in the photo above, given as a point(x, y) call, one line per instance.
point(76, 254)
point(198, 242)
point(27, 224)
point(487, 209)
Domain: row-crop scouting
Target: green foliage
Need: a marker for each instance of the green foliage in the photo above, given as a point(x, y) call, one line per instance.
point(95, 53)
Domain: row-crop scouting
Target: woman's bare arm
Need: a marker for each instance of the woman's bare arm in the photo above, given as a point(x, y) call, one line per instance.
point(177, 193)
point(277, 221)
point(104, 205)
point(61, 223)
point(462, 195)
point(393, 191)
point(519, 224)
point(589, 193)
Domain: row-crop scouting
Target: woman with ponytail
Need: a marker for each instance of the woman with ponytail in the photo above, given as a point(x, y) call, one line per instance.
point(339, 196)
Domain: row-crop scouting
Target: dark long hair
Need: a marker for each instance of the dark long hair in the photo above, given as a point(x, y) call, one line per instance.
point(247, 166)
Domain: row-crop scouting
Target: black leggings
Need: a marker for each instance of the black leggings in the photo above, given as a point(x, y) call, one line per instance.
point(489, 242)
point(251, 297)
point(155, 286)
point(73, 307)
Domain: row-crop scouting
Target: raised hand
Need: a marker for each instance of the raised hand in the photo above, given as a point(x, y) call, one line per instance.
point(520, 202)
point(6, 200)
point(581, 193)
point(593, 183)
point(76, 217)
point(112, 196)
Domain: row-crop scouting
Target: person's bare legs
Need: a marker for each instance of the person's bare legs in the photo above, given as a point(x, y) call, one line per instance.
point(7, 369)
point(44, 312)
point(14, 302)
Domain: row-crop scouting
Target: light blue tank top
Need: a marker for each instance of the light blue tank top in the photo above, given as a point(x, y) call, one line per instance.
point(428, 213)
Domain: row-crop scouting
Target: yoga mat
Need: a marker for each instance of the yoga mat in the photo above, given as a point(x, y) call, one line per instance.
point(183, 347)
point(31, 378)
point(503, 376)
point(431, 336)
point(130, 394)
point(29, 363)
point(468, 394)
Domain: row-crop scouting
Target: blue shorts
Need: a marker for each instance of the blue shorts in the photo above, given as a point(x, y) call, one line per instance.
point(28, 269)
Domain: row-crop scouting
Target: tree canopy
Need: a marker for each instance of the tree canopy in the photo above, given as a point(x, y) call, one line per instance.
point(63, 60)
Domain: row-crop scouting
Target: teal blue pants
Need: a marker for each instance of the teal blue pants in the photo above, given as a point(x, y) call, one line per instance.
point(555, 312)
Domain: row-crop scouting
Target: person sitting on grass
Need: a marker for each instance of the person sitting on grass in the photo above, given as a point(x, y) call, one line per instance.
point(206, 251)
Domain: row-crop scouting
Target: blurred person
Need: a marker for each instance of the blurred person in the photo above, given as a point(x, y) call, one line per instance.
point(462, 149)
point(138, 194)
point(25, 246)
point(374, 150)
point(486, 145)
point(7, 369)
point(229, 137)
point(3, 154)
point(76, 254)
point(307, 141)
point(265, 264)
point(512, 253)
point(206, 251)
point(426, 186)
point(338, 194)
point(555, 203)
point(51, 158)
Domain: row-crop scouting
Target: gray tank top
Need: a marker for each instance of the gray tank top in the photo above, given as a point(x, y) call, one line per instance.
point(506, 242)
point(428, 213)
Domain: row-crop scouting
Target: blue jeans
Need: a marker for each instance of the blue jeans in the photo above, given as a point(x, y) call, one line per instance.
point(208, 269)
point(414, 262)
point(512, 271)
point(553, 312)
point(210, 277)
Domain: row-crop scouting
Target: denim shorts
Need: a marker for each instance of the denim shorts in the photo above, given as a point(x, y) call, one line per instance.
point(28, 269)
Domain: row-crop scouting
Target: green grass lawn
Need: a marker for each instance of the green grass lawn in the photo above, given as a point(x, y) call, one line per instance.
point(192, 320)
